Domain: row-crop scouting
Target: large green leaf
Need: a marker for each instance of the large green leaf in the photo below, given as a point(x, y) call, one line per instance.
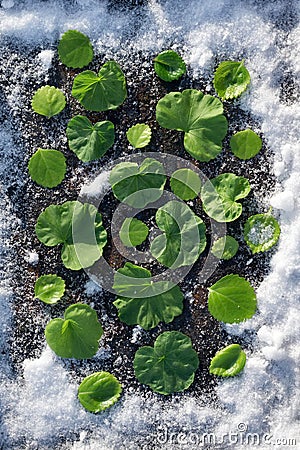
point(139, 135)
point(183, 237)
point(169, 66)
point(231, 79)
point(133, 232)
point(199, 116)
point(228, 362)
point(158, 301)
point(77, 335)
point(75, 49)
point(99, 391)
point(219, 196)
point(88, 141)
point(47, 167)
point(232, 299)
point(245, 144)
point(261, 232)
point(169, 366)
point(48, 101)
point(138, 186)
point(49, 288)
point(101, 92)
point(185, 183)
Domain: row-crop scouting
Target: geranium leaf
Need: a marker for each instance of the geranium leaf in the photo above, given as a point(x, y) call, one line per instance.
point(169, 366)
point(48, 101)
point(139, 135)
point(185, 183)
point(89, 142)
point(199, 116)
point(245, 144)
point(75, 49)
point(169, 66)
point(138, 186)
point(133, 232)
point(49, 288)
point(99, 391)
point(77, 335)
point(47, 167)
point(261, 232)
point(183, 237)
point(232, 299)
point(225, 247)
point(219, 196)
point(231, 79)
point(101, 92)
point(228, 362)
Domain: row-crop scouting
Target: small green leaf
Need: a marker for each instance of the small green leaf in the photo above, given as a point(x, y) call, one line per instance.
point(245, 144)
point(77, 335)
point(89, 142)
point(219, 196)
point(228, 362)
point(185, 183)
point(101, 92)
point(75, 49)
point(139, 135)
point(169, 366)
point(225, 247)
point(261, 232)
point(48, 101)
point(231, 79)
point(47, 167)
point(199, 116)
point(49, 288)
point(232, 299)
point(169, 66)
point(99, 391)
point(133, 232)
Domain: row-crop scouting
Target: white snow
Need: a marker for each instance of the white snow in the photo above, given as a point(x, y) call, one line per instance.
point(91, 288)
point(31, 257)
point(97, 187)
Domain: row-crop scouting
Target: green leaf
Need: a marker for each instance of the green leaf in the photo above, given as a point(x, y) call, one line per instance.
point(77, 335)
point(225, 247)
point(138, 186)
point(101, 92)
point(185, 183)
point(232, 299)
point(89, 142)
point(219, 196)
point(49, 288)
point(78, 227)
point(169, 366)
point(245, 144)
point(75, 49)
point(261, 232)
point(199, 116)
point(231, 79)
point(169, 66)
point(139, 135)
point(47, 167)
point(183, 237)
point(133, 232)
point(48, 101)
point(228, 362)
point(99, 391)
point(157, 302)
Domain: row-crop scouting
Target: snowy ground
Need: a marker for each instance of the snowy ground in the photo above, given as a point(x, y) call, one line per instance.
point(39, 406)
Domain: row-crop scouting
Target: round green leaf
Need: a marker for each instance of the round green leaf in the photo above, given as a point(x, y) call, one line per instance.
point(225, 247)
point(169, 366)
point(231, 79)
point(133, 232)
point(199, 116)
point(49, 288)
point(139, 135)
point(228, 362)
point(48, 101)
point(169, 66)
point(99, 391)
point(219, 196)
point(77, 335)
point(261, 232)
point(47, 167)
point(245, 144)
point(185, 183)
point(75, 49)
point(232, 299)
point(101, 92)
point(138, 186)
point(89, 142)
